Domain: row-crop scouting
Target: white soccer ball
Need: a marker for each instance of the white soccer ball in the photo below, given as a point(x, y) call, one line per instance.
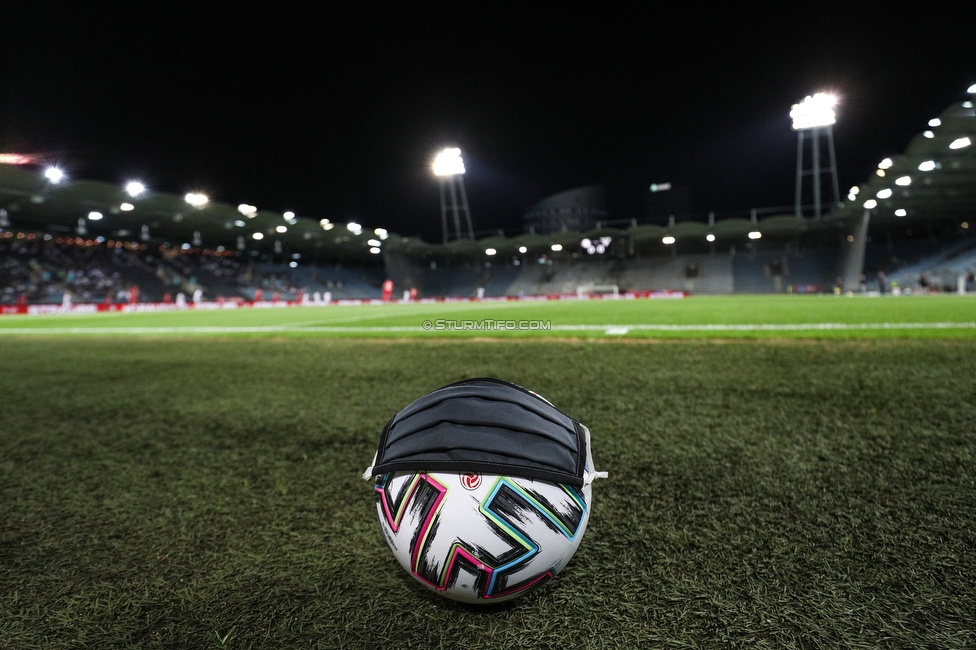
point(480, 538)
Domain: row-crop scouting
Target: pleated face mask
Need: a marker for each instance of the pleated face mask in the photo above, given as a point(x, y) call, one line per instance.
point(483, 489)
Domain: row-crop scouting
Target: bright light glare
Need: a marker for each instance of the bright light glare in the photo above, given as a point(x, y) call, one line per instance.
point(239, 223)
point(94, 216)
point(293, 265)
point(667, 240)
point(885, 164)
point(247, 210)
point(374, 251)
point(870, 204)
point(54, 175)
point(854, 190)
point(755, 234)
point(127, 207)
point(556, 247)
point(880, 172)
point(490, 251)
point(928, 134)
point(134, 188)
point(885, 193)
point(960, 143)
point(709, 237)
point(381, 233)
point(289, 215)
point(814, 111)
point(259, 236)
point(195, 199)
point(904, 181)
point(374, 242)
point(901, 212)
point(927, 166)
point(281, 229)
point(935, 122)
point(448, 162)
point(967, 104)
point(971, 90)
point(354, 227)
point(523, 250)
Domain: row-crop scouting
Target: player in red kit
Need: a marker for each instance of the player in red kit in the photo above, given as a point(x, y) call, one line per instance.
point(387, 290)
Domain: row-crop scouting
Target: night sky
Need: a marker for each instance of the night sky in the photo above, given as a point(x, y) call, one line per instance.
point(337, 114)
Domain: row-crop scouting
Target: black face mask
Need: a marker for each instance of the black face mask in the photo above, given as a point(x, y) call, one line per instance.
point(488, 426)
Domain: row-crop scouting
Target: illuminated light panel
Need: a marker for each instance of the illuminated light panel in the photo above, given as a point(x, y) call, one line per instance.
point(381, 233)
point(967, 104)
point(259, 236)
point(971, 90)
point(134, 188)
point(523, 249)
point(854, 190)
point(196, 199)
point(709, 237)
point(928, 134)
point(904, 181)
point(247, 210)
point(667, 240)
point(490, 251)
point(755, 234)
point(960, 143)
point(885, 193)
point(935, 122)
point(127, 207)
point(288, 215)
point(54, 174)
point(354, 227)
point(901, 212)
point(880, 173)
point(814, 111)
point(374, 250)
point(374, 242)
point(281, 229)
point(885, 164)
point(448, 162)
point(927, 166)
point(870, 204)
point(556, 247)
point(94, 216)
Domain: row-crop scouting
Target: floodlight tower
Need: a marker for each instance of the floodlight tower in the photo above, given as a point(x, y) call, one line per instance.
point(813, 119)
point(449, 170)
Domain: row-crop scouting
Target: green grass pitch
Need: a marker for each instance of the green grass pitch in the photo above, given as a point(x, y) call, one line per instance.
point(193, 480)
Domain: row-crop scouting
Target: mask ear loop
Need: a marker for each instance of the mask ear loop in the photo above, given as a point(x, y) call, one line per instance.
point(368, 474)
point(589, 472)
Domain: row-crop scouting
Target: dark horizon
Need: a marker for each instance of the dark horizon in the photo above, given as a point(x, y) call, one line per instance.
point(341, 119)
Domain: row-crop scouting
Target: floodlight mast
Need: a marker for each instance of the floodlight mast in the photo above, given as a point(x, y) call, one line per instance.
point(814, 118)
point(449, 169)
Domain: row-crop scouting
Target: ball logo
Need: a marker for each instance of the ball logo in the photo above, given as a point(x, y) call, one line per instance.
point(470, 480)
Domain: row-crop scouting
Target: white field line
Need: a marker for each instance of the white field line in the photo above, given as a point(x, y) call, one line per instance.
point(410, 329)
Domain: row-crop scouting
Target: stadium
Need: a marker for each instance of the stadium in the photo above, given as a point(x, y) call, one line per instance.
point(784, 399)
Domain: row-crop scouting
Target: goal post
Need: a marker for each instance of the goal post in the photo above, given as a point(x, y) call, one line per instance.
point(586, 290)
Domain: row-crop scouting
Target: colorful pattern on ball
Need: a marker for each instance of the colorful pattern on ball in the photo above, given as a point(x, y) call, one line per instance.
point(494, 543)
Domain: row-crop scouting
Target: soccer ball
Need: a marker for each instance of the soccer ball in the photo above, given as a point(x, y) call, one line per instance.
point(480, 538)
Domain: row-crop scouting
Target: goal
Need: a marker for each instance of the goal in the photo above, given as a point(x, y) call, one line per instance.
point(586, 290)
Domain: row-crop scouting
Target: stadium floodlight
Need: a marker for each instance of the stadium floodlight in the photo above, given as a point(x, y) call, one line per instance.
point(281, 229)
point(374, 250)
point(354, 227)
point(490, 251)
point(54, 174)
point(556, 247)
point(709, 237)
point(885, 164)
point(196, 199)
point(239, 223)
point(448, 162)
point(288, 215)
point(928, 134)
point(967, 104)
point(971, 90)
point(523, 250)
point(904, 181)
point(667, 240)
point(94, 216)
point(127, 207)
point(248, 211)
point(293, 265)
point(854, 190)
point(935, 122)
point(901, 212)
point(374, 242)
point(258, 236)
point(885, 193)
point(880, 172)
point(870, 204)
point(960, 143)
point(814, 111)
point(927, 166)
point(381, 233)
point(755, 234)
point(134, 188)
